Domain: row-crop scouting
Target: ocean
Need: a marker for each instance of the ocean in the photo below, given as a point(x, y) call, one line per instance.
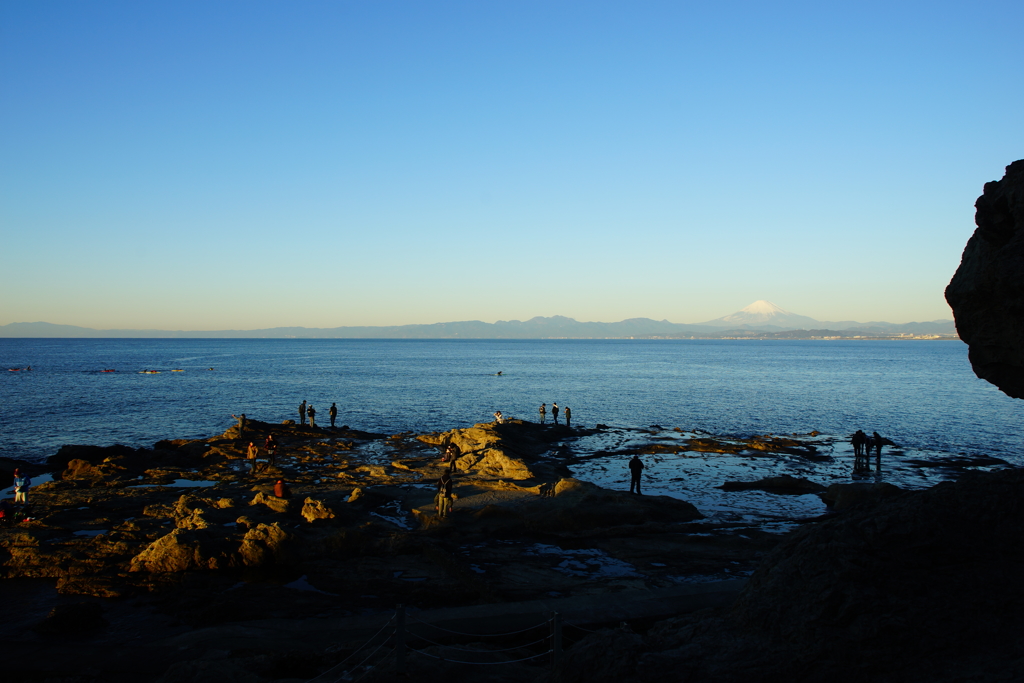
point(922, 394)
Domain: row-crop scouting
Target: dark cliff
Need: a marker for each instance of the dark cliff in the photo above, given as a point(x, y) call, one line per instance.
point(987, 291)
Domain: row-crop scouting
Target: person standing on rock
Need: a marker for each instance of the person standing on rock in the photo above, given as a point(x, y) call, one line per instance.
point(636, 467)
point(241, 425)
point(554, 412)
point(333, 413)
point(271, 445)
point(859, 441)
point(543, 412)
point(568, 416)
point(22, 483)
point(302, 413)
point(311, 411)
point(444, 495)
point(877, 441)
point(281, 489)
point(251, 454)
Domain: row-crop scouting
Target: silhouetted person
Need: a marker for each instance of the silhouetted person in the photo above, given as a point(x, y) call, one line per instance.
point(241, 425)
point(444, 494)
point(554, 412)
point(860, 442)
point(543, 412)
point(311, 411)
point(568, 416)
point(302, 413)
point(271, 445)
point(333, 413)
point(636, 467)
point(877, 440)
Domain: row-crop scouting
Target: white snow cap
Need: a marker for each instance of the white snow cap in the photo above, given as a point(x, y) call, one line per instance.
point(762, 307)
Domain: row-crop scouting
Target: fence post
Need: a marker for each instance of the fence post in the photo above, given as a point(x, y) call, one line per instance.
point(556, 641)
point(400, 639)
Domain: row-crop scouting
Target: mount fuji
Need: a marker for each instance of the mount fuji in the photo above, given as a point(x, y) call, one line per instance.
point(764, 315)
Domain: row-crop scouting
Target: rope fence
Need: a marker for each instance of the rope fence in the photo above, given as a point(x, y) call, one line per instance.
point(354, 653)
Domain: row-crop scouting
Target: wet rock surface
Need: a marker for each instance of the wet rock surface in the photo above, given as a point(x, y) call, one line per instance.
point(182, 537)
point(923, 586)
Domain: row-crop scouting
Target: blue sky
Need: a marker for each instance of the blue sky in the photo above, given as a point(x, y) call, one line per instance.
point(239, 165)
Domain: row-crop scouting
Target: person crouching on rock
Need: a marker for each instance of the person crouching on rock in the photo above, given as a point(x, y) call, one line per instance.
point(451, 453)
point(21, 486)
point(251, 454)
point(636, 466)
point(281, 489)
point(444, 495)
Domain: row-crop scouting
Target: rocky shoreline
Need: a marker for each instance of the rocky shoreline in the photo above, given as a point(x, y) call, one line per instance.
point(145, 546)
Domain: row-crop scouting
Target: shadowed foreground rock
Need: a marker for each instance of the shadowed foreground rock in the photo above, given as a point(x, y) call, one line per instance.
point(924, 586)
point(987, 291)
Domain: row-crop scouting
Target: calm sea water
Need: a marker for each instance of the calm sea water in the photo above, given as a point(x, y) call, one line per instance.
point(922, 394)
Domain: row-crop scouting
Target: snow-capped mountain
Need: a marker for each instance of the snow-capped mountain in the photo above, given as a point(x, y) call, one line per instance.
point(764, 315)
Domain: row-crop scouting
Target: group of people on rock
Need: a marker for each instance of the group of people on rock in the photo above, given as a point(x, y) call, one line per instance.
point(308, 410)
point(543, 410)
point(862, 447)
point(252, 454)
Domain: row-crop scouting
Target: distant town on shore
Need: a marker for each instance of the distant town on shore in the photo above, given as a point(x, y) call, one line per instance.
point(760, 320)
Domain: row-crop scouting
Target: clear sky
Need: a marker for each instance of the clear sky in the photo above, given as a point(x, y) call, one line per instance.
point(240, 165)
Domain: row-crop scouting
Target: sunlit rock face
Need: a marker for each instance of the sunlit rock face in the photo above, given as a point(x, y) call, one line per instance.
point(987, 291)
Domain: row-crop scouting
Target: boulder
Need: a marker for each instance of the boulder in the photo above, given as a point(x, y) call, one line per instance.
point(841, 497)
point(579, 506)
point(494, 450)
point(185, 549)
point(82, 469)
point(97, 586)
point(83, 618)
point(987, 290)
point(494, 463)
point(264, 544)
point(313, 510)
point(93, 454)
point(273, 502)
point(785, 485)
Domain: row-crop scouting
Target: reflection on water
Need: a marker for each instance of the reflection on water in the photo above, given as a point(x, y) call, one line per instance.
point(695, 476)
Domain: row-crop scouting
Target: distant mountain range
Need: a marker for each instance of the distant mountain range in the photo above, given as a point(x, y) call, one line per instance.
point(759, 319)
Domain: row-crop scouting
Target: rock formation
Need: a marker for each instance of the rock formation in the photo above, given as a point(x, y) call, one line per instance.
point(987, 291)
point(922, 586)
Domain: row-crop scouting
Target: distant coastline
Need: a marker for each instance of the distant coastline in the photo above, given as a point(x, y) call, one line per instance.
point(556, 327)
